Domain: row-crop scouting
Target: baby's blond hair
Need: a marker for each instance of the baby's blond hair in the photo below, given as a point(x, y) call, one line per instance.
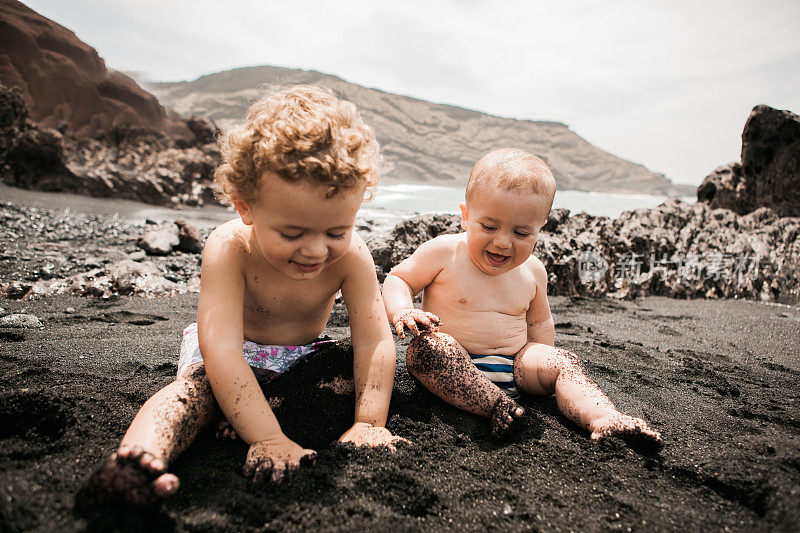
point(299, 133)
point(511, 169)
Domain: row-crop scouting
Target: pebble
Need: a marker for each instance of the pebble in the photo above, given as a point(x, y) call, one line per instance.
point(18, 320)
point(70, 310)
point(137, 256)
point(160, 241)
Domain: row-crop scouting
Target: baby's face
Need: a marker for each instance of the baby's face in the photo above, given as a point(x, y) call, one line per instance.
point(502, 228)
point(297, 230)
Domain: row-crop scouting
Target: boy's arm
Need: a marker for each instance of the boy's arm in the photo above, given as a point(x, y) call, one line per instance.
point(373, 349)
point(220, 334)
point(406, 280)
point(541, 328)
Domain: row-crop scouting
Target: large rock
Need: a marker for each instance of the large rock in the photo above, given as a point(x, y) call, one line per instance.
point(69, 124)
point(128, 163)
point(66, 84)
point(769, 172)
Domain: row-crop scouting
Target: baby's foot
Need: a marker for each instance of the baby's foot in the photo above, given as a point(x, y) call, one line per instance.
point(504, 415)
point(634, 431)
point(130, 477)
point(225, 431)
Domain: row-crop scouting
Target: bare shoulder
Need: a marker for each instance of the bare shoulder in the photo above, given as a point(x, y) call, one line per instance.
point(357, 264)
point(431, 255)
point(355, 271)
point(420, 268)
point(535, 266)
point(227, 242)
point(441, 246)
point(358, 253)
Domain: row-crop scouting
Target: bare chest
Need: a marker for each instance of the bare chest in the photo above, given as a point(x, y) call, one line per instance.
point(271, 303)
point(462, 289)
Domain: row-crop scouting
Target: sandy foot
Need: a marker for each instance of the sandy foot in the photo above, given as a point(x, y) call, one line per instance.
point(130, 477)
point(634, 431)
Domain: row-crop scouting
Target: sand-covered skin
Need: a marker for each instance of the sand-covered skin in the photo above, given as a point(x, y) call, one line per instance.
point(719, 379)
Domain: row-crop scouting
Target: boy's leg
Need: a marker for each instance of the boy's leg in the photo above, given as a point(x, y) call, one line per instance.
point(445, 369)
point(541, 369)
point(164, 427)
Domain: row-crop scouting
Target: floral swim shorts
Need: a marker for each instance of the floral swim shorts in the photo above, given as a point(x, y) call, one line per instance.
point(267, 361)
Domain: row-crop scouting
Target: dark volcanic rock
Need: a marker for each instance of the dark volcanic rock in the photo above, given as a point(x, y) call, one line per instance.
point(677, 249)
point(189, 237)
point(125, 162)
point(769, 172)
point(67, 85)
point(68, 124)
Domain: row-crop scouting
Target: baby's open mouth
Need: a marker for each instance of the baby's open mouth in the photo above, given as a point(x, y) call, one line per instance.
point(497, 259)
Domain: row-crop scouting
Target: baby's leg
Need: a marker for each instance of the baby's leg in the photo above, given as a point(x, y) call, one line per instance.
point(445, 369)
point(542, 369)
point(164, 427)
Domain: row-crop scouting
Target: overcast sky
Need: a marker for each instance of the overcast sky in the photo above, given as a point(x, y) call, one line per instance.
point(668, 84)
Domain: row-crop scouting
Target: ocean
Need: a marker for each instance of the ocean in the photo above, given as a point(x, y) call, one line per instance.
point(394, 202)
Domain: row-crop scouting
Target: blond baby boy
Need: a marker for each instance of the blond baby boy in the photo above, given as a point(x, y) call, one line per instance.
point(485, 332)
point(297, 171)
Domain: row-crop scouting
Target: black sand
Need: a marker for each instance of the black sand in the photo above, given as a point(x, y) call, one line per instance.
point(719, 379)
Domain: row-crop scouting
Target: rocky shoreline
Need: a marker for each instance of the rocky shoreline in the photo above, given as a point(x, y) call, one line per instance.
point(678, 249)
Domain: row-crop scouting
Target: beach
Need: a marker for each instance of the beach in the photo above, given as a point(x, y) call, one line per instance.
point(685, 310)
point(719, 379)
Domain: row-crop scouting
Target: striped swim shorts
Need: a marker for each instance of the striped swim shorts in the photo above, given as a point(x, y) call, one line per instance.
point(500, 371)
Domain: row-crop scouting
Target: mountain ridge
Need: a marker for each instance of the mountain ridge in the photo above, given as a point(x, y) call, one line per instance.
point(424, 141)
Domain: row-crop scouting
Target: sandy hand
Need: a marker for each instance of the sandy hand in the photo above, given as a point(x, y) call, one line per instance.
point(363, 434)
point(416, 320)
point(273, 459)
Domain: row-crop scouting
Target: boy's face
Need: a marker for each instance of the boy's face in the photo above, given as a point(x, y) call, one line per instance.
point(297, 230)
point(502, 227)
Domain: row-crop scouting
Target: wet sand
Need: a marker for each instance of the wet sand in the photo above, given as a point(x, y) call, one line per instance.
point(719, 379)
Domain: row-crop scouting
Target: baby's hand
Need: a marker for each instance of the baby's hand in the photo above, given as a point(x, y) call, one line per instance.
point(363, 434)
point(415, 320)
point(273, 458)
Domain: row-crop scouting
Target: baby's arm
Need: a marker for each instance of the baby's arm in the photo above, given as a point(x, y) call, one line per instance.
point(220, 332)
point(541, 328)
point(373, 349)
point(406, 280)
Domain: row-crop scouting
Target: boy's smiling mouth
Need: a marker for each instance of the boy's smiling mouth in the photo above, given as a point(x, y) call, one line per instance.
point(497, 260)
point(306, 267)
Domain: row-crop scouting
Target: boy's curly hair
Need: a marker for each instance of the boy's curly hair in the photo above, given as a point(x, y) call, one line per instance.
point(301, 132)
